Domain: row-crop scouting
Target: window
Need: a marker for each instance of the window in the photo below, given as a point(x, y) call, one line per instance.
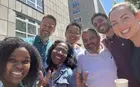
point(26, 27)
point(78, 19)
point(75, 4)
point(37, 4)
point(76, 11)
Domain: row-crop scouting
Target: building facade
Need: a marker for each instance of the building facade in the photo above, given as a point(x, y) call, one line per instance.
point(81, 11)
point(22, 18)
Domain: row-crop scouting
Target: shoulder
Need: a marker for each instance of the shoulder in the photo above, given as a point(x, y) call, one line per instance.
point(69, 71)
point(66, 71)
point(30, 39)
point(105, 52)
point(50, 42)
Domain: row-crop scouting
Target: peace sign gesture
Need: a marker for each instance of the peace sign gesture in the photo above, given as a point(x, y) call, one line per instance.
point(44, 81)
point(82, 81)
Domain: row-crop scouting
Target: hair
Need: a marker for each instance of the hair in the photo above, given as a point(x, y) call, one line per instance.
point(92, 30)
point(130, 6)
point(74, 24)
point(51, 17)
point(70, 60)
point(102, 15)
point(7, 46)
point(98, 14)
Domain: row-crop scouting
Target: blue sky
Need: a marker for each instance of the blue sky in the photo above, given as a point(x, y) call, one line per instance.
point(108, 4)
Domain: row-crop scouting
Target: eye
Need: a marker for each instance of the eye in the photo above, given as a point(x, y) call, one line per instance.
point(12, 60)
point(100, 20)
point(26, 62)
point(95, 24)
point(125, 18)
point(113, 24)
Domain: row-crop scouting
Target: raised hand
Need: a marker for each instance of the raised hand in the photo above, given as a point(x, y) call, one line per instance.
point(82, 81)
point(44, 81)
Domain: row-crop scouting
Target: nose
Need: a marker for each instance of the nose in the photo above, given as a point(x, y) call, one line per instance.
point(19, 66)
point(60, 51)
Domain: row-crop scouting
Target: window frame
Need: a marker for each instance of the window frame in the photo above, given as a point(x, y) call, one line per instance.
point(36, 5)
point(26, 33)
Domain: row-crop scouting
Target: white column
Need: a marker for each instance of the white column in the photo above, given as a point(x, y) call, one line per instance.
point(96, 6)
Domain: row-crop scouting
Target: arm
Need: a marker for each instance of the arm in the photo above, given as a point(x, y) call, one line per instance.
point(81, 80)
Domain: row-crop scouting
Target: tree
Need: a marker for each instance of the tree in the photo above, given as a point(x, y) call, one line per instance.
point(135, 2)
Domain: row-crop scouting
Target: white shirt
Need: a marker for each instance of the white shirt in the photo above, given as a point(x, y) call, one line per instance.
point(101, 67)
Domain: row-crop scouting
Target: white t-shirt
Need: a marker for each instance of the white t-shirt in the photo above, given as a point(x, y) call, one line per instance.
point(102, 68)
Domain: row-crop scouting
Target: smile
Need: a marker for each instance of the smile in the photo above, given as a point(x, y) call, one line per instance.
point(125, 31)
point(17, 74)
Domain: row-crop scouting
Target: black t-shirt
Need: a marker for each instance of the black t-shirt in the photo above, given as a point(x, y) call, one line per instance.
point(135, 63)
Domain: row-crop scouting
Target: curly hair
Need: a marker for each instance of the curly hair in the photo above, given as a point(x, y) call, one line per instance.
point(70, 60)
point(7, 46)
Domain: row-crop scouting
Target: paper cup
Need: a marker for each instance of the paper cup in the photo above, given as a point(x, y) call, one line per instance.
point(121, 82)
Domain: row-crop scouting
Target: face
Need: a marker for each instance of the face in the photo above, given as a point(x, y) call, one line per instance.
point(17, 66)
point(91, 41)
point(59, 53)
point(101, 24)
point(73, 34)
point(124, 22)
point(47, 27)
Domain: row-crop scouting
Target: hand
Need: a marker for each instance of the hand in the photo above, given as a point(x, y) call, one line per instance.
point(82, 81)
point(44, 81)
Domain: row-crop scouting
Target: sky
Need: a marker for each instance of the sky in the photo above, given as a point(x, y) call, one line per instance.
point(108, 4)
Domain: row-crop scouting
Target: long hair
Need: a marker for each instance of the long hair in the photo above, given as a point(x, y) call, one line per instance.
point(7, 46)
point(70, 60)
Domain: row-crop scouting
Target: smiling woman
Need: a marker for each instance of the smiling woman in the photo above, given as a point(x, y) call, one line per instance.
point(125, 20)
point(19, 63)
point(61, 61)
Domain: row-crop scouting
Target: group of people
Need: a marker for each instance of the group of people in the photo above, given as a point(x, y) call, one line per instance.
point(39, 62)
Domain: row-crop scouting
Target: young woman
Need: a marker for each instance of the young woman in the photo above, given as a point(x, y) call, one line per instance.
point(19, 63)
point(61, 61)
point(125, 20)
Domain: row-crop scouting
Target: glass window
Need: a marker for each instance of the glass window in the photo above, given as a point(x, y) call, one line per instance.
point(21, 35)
point(31, 4)
point(37, 4)
point(31, 29)
point(75, 4)
point(76, 11)
point(21, 26)
point(26, 27)
point(32, 0)
point(78, 19)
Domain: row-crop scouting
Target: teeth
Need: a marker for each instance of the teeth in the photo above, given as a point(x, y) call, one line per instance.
point(17, 73)
point(72, 38)
point(125, 31)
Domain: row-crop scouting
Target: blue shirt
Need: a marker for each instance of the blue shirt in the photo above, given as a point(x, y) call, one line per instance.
point(62, 78)
point(42, 48)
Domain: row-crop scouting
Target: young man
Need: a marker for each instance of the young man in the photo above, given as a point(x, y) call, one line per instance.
point(125, 20)
point(118, 47)
point(73, 35)
point(41, 41)
point(98, 62)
